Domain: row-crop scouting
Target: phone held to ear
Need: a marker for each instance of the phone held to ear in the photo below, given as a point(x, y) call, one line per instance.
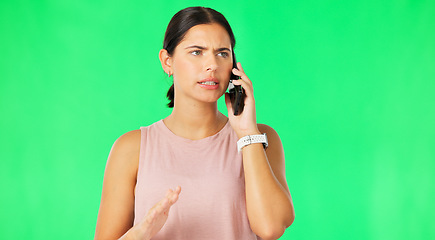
point(237, 96)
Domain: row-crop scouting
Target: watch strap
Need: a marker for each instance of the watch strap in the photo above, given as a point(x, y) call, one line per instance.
point(250, 139)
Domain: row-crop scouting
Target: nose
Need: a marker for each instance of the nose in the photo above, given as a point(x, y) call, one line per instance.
point(211, 63)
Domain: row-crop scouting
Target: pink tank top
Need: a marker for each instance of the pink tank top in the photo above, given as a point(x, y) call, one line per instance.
point(210, 172)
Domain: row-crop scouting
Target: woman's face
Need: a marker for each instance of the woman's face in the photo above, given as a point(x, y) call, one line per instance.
point(202, 63)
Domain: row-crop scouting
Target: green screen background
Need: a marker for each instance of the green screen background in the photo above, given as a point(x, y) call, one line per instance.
point(348, 85)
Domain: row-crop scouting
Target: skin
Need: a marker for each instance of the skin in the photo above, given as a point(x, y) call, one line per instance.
point(195, 116)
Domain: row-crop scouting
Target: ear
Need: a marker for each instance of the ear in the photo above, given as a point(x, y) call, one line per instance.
point(166, 61)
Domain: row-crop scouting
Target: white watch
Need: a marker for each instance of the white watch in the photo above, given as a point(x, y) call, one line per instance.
point(249, 139)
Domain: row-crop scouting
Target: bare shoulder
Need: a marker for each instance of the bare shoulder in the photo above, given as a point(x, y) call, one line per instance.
point(275, 148)
point(265, 128)
point(271, 133)
point(128, 141)
point(123, 160)
point(124, 155)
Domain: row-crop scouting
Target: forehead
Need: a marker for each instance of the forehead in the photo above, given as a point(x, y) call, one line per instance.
point(213, 35)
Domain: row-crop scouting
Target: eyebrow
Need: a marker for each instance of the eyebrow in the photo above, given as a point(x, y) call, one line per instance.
point(203, 48)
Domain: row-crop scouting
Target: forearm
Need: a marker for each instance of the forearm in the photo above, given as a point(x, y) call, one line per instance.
point(269, 206)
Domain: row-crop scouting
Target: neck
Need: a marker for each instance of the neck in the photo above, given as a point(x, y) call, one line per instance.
point(195, 120)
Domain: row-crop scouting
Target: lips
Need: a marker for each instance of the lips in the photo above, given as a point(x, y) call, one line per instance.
point(209, 83)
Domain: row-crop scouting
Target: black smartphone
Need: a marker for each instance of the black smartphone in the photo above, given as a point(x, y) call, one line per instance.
point(237, 95)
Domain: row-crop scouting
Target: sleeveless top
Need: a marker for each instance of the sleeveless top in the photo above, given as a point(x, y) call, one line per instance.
point(210, 172)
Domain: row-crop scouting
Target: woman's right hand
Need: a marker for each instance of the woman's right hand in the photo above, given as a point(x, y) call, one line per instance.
point(155, 218)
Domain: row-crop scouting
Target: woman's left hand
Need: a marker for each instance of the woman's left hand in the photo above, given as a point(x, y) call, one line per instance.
point(245, 123)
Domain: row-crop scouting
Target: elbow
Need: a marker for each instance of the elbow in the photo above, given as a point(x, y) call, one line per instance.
point(290, 220)
point(271, 233)
point(274, 231)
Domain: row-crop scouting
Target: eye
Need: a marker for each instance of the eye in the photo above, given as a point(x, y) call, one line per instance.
point(224, 54)
point(196, 52)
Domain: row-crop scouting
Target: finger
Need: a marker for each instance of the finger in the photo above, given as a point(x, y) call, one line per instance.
point(237, 72)
point(163, 202)
point(238, 82)
point(174, 196)
point(241, 74)
point(168, 192)
point(247, 86)
point(177, 190)
point(239, 66)
point(173, 199)
point(167, 201)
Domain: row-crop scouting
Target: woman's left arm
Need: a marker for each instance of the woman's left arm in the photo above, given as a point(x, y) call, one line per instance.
point(268, 200)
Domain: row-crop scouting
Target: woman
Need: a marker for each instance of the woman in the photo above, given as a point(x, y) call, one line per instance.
point(226, 194)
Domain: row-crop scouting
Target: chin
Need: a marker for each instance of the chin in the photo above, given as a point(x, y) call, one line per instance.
point(211, 99)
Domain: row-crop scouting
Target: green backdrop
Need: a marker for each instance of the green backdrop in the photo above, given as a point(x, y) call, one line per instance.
point(348, 85)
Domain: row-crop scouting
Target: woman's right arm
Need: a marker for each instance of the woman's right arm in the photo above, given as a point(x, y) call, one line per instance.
point(116, 214)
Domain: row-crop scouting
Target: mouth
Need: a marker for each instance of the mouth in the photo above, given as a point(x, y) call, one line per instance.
point(209, 83)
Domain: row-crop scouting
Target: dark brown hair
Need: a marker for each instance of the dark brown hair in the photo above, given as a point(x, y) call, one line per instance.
point(185, 19)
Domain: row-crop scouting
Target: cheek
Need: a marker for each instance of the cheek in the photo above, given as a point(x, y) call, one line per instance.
point(185, 66)
point(228, 69)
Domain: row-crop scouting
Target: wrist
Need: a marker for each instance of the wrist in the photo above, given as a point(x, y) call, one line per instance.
point(143, 232)
point(252, 139)
point(136, 233)
point(130, 235)
point(248, 132)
